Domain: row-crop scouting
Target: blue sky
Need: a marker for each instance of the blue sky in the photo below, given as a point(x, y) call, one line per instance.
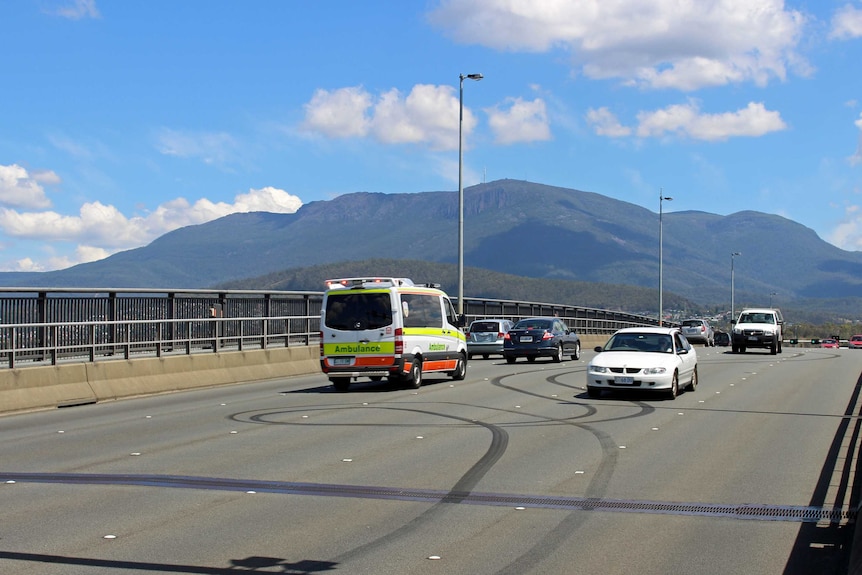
point(124, 120)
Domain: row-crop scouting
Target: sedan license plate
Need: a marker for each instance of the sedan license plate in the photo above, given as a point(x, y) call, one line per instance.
point(341, 361)
point(752, 338)
point(624, 380)
point(526, 339)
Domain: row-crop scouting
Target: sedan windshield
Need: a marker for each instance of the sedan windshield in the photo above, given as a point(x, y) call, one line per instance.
point(650, 342)
point(485, 327)
point(533, 324)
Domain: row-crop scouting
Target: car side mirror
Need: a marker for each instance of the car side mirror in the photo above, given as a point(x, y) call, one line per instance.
point(597, 349)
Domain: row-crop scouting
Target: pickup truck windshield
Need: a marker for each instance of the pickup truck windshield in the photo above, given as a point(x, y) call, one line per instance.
point(757, 318)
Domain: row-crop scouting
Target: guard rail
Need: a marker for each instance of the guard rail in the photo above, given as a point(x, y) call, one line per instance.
point(41, 326)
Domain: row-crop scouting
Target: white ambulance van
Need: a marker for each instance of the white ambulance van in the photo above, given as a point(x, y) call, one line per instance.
point(380, 327)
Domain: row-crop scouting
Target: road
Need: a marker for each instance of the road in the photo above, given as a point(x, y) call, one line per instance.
point(512, 471)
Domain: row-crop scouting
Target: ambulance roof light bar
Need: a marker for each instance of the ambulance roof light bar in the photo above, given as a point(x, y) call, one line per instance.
point(368, 282)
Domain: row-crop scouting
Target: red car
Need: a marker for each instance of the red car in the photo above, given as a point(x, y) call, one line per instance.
point(855, 342)
point(829, 343)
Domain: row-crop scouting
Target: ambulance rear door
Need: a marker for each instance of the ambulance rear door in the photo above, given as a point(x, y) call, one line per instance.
point(358, 332)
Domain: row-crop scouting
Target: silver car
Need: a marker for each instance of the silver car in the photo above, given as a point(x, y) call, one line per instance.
point(485, 337)
point(698, 331)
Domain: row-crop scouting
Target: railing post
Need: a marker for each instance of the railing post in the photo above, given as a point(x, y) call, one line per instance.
point(159, 335)
point(42, 317)
point(307, 320)
point(127, 347)
point(92, 337)
point(12, 347)
point(53, 338)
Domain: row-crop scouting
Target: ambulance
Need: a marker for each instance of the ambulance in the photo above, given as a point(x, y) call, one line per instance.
point(378, 327)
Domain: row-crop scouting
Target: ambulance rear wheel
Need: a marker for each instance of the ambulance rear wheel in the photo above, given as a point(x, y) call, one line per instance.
point(460, 370)
point(340, 383)
point(415, 378)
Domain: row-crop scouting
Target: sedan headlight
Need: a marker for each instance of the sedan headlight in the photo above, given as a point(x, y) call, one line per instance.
point(598, 369)
point(654, 370)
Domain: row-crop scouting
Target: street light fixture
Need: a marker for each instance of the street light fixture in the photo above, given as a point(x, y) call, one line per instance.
point(476, 77)
point(661, 199)
point(770, 297)
point(732, 310)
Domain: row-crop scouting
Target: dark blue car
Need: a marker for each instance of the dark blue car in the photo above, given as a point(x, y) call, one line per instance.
point(541, 337)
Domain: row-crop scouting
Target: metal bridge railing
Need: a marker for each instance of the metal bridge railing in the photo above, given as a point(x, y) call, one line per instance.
point(47, 325)
point(89, 341)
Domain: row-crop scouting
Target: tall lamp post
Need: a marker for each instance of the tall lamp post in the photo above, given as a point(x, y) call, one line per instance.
point(732, 310)
point(661, 199)
point(461, 191)
point(770, 297)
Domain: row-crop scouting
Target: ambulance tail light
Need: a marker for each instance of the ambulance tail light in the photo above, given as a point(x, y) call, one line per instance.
point(399, 341)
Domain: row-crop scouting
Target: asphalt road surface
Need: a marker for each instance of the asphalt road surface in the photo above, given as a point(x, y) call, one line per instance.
point(512, 471)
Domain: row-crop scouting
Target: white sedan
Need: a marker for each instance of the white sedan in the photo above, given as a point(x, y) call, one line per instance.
point(644, 358)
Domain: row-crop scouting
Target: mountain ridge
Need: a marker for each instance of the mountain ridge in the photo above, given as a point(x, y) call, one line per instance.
point(512, 227)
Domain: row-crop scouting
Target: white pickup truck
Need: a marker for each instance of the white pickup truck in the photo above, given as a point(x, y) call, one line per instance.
point(758, 327)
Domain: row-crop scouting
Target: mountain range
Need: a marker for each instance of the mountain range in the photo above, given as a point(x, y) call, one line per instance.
point(513, 227)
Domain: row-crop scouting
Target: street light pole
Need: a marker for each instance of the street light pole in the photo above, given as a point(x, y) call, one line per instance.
point(732, 309)
point(770, 297)
point(661, 198)
point(461, 190)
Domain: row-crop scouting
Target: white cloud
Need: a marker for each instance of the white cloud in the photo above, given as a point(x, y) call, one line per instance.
point(846, 23)
point(848, 234)
point(99, 230)
point(342, 113)
point(428, 115)
point(22, 189)
point(856, 158)
point(74, 148)
point(606, 123)
point(216, 148)
point(519, 121)
point(77, 9)
point(26, 265)
point(680, 44)
point(687, 120)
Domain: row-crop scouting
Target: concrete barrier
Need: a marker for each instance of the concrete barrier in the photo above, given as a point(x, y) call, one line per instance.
point(588, 342)
point(46, 387)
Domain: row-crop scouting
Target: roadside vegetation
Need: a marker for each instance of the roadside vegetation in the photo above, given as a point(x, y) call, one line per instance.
point(807, 319)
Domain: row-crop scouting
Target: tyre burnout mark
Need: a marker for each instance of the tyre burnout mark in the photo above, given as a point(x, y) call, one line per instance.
point(595, 491)
point(458, 492)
